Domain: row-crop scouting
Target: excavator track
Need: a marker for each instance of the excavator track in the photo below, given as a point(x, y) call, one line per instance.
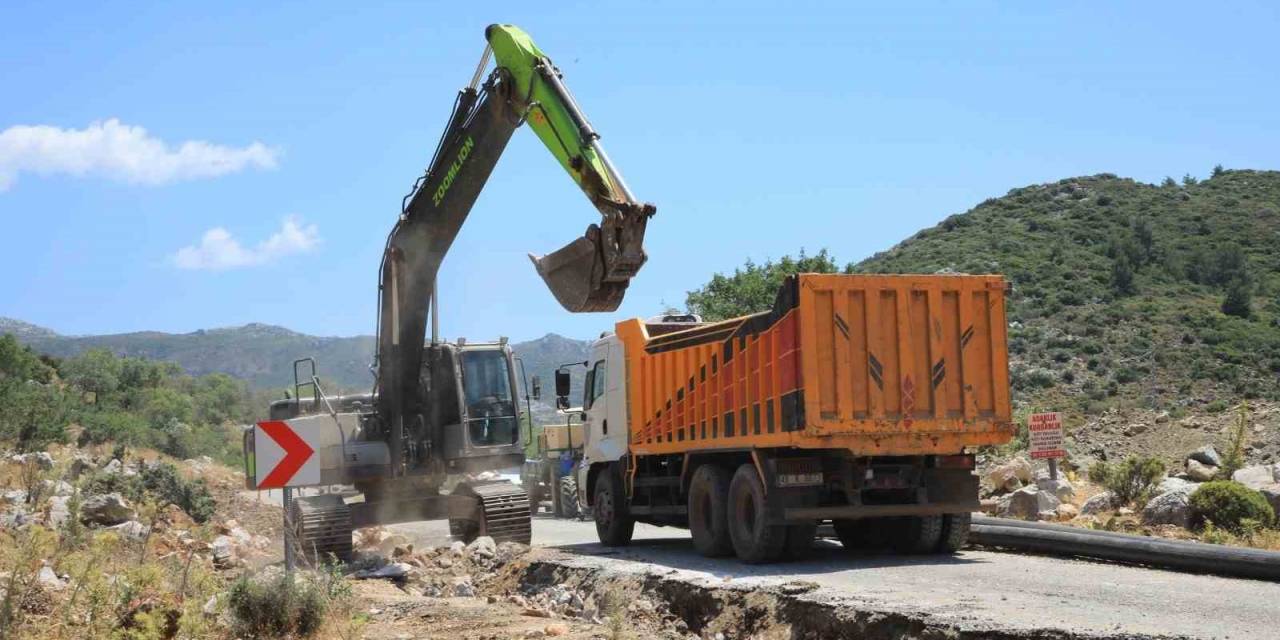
point(321, 528)
point(504, 513)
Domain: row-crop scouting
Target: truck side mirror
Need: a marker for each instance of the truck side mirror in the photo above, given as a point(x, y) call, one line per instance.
point(562, 383)
point(537, 388)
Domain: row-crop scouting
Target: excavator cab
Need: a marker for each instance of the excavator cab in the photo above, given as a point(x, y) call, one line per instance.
point(472, 416)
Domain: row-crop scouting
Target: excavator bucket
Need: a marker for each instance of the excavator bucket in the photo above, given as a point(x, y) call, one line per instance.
point(575, 275)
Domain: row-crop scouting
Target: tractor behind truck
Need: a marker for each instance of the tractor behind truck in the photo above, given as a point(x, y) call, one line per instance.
point(552, 454)
point(857, 400)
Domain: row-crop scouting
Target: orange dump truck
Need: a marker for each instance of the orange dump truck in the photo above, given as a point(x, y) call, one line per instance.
point(858, 399)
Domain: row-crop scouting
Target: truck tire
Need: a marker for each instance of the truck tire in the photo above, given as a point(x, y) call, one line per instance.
point(755, 541)
point(708, 511)
point(568, 497)
point(917, 534)
point(799, 540)
point(614, 524)
point(955, 532)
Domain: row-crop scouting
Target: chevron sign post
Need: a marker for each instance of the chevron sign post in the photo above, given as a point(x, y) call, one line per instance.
point(283, 457)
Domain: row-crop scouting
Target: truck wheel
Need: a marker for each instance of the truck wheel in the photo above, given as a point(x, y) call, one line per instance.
point(799, 540)
point(708, 511)
point(614, 524)
point(568, 497)
point(955, 532)
point(754, 540)
point(917, 534)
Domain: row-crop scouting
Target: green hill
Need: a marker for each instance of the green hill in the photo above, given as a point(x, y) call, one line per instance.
point(263, 355)
point(1126, 294)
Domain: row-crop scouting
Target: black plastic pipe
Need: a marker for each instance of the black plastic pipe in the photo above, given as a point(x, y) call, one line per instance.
point(1105, 545)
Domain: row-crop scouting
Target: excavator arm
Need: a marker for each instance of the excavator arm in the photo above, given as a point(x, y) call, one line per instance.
point(589, 274)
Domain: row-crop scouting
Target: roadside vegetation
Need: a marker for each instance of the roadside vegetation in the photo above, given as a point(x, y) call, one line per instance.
point(98, 397)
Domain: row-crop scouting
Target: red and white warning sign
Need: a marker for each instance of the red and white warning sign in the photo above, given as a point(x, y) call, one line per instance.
point(283, 457)
point(1045, 430)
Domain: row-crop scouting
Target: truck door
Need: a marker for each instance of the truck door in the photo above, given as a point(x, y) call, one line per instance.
point(605, 426)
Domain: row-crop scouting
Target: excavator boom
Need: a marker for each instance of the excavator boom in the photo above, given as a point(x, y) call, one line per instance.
point(591, 273)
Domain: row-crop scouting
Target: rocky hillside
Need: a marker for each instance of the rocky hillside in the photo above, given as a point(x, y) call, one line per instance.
point(263, 354)
point(1126, 297)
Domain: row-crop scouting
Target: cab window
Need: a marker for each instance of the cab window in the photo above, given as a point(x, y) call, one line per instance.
point(595, 384)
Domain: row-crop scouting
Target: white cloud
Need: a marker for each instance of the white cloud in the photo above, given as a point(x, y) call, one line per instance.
point(219, 250)
point(120, 152)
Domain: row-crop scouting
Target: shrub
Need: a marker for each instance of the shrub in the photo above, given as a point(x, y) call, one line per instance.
point(278, 607)
point(161, 484)
point(1238, 300)
point(192, 496)
point(1233, 456)
point(1229, 505)
point(1132, 480)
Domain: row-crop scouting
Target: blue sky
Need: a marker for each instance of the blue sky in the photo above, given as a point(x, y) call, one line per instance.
point(756, 128)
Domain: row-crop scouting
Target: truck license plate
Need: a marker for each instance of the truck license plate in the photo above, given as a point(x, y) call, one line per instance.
point(799, 479)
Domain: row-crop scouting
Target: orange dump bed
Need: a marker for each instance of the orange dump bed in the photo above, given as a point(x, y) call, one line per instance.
point(875, 364)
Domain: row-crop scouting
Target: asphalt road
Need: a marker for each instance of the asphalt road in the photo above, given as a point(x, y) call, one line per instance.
point(974, 590)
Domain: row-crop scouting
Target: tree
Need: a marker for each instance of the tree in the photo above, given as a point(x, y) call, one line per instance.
point(95, 371)
point(1144, 236)
point(20, 363)
point(33, 415)
point(1122, 275)
point(1189, 180)
point(1238, 300)
point(753, 287)
point(1169, 182)
point(1218, 170)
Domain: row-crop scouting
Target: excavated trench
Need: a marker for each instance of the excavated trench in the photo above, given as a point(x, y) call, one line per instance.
point(792, 610)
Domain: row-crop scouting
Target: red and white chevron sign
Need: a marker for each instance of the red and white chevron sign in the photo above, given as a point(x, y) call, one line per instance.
point(283, 457)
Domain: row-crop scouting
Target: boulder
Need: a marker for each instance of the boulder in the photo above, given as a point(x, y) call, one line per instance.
point(1256, 477)
point(15, 518)
point(393, 571)
point(224, 552)
point(113, 467)
point(106, 509)
point(41, 459)
point(1169, 508)
point(80, 465)
point(1206, 455)
point(1101, 503)
point(1199, 471)
point(56, 488)
point(132, 530)
point(1173, 484)
point(1060, 488)
point(1028, 503)
point(462, 588)
point(14, 496)
point(1272, 493)
point(50, 579)
point(388, 544)
point(59, 511)
point(1010, 475)
point(482, 547)
point(457, 547)
point(1067, 511)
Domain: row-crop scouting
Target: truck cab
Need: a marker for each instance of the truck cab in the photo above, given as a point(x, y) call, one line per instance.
point(604, 401)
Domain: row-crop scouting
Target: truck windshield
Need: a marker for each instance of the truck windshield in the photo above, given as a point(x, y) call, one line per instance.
point(486, 385)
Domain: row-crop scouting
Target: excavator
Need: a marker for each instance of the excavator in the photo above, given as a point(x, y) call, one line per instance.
point(444, 413)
